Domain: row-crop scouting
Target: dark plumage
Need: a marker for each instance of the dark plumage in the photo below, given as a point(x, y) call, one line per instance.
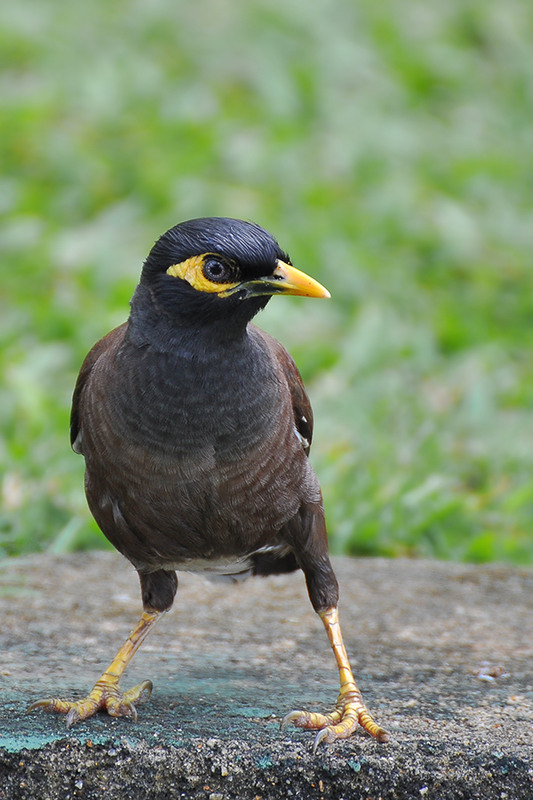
point(195, 428)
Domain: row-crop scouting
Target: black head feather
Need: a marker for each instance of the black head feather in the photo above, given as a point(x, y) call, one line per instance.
point(163, 300)
point(250, 246)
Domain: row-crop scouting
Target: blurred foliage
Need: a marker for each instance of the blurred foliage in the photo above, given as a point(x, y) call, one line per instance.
point(389, 148)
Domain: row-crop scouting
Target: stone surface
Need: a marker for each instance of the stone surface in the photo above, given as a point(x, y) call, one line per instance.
point(443, 654)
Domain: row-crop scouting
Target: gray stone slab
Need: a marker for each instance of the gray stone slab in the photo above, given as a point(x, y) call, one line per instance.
point(442, 652)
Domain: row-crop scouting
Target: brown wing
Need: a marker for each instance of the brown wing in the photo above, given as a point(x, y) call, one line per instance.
point(99, 349)
point(273, 562)
point(303, 414)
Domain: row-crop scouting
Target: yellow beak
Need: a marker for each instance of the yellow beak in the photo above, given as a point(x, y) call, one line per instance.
point(289, 280)
point(284, 280)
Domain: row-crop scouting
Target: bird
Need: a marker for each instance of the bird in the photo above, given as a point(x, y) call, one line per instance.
point(195, 427)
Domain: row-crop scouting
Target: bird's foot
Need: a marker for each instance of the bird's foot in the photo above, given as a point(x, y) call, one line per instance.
point(350, 711)
point(105, 696)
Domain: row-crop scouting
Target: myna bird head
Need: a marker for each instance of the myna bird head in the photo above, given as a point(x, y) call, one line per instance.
point(220, 268)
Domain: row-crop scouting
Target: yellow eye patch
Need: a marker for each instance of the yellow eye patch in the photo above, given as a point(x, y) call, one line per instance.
point(193, 271)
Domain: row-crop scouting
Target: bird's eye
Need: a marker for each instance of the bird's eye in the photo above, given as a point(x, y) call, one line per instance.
point(216, 270)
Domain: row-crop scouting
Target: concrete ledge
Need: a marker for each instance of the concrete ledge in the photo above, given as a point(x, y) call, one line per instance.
point(443, 654)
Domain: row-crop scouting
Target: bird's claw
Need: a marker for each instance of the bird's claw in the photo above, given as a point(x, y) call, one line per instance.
point(323, 735)
point(105, 696)
point(307, 719)
point(292, 716)
point(311, 721)
point(339, 724)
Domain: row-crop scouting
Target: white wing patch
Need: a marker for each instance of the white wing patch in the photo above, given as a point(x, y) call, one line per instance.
point(303, 441)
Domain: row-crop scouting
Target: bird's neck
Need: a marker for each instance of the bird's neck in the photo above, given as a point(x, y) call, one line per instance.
point(164, 327)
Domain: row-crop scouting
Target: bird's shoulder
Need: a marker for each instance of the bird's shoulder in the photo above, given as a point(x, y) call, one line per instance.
point(288, 372)
point(109, 342)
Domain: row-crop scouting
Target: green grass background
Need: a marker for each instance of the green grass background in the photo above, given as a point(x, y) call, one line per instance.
point(387, 145)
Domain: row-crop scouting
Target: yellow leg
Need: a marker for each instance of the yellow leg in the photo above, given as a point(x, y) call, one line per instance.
point(106, 693)
point(350, 709)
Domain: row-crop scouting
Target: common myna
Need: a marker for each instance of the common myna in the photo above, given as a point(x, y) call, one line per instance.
point(196, 427)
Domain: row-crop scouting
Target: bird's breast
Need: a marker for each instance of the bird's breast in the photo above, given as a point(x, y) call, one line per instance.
point(187, 408)
point(198, 457)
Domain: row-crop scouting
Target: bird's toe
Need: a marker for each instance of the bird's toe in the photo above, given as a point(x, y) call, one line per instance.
point(106, 696)
point(309, 720)
point(338, 724)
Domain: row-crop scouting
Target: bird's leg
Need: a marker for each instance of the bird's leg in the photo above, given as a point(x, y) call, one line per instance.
point(350, 709)
point(106, 693)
